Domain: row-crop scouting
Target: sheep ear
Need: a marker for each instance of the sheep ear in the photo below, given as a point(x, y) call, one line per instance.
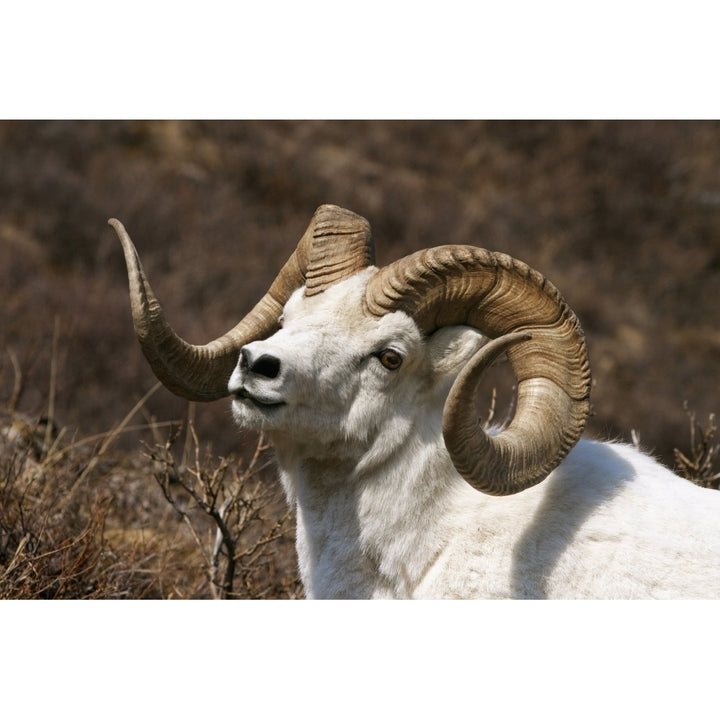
point(450, 348)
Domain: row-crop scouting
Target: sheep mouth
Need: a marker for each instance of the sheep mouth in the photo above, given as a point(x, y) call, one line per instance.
point(243, 394)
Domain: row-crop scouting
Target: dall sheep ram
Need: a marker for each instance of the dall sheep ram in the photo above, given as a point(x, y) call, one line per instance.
point(363, 379)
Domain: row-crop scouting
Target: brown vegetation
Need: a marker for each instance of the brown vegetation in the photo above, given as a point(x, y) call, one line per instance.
point(78, 520)
point(700, 464)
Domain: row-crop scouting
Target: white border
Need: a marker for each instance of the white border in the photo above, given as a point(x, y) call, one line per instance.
point(379, 59)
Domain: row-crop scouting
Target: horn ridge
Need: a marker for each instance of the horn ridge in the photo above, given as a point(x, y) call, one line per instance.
point(341, 246)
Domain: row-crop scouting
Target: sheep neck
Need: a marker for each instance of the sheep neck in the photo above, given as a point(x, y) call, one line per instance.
point(371, 526)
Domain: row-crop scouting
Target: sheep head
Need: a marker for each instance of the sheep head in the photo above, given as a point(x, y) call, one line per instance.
point(369, 341)
point(337, 383)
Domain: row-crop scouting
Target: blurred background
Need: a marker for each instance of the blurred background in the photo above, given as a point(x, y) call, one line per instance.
point(624, 217)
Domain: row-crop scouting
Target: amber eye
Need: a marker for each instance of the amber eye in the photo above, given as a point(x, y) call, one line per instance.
point(391, 359)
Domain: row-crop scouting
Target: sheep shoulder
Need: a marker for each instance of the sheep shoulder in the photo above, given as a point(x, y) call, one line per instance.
point(609, 522)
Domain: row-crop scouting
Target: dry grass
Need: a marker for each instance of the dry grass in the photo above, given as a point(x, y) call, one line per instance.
point(700, 464)
point(235, 517)
point(80, 520)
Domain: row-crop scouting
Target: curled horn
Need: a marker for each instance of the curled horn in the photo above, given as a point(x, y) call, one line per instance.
point(504, 299)
point(336, 245)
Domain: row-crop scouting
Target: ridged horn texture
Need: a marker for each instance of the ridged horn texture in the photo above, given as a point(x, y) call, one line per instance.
point(500, 296)
point(336, 245)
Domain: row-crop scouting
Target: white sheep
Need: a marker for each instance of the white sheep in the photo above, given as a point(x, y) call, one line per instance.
point(364, 379)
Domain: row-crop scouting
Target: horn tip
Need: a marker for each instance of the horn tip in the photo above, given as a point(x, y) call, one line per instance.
point(119, 229)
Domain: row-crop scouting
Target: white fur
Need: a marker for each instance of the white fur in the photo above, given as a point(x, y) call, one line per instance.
point(382, 513)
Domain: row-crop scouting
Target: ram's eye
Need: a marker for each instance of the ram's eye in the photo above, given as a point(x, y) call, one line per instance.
point(391, 359)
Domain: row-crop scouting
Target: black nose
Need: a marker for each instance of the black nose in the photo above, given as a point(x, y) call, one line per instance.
point(266, 365)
